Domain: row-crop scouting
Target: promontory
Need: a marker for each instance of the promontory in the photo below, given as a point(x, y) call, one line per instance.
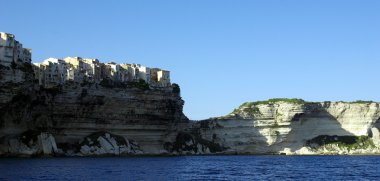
point(78, 106)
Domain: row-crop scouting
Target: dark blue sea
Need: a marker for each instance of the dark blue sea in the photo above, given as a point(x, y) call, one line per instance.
point(193, 168)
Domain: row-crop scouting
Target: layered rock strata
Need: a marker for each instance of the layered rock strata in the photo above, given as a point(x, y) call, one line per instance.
point(72, 112)
point(289, 127)
point(89, 119)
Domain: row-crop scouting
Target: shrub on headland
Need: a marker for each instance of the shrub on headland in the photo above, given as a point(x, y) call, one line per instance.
point(362, 102)
point(349, 142)
point(141, 84)
point(176, 88)
point(274, 100)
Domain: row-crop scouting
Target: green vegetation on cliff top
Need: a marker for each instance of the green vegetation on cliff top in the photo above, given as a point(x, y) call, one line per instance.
point(295, 101)
point(361, 102)
point(274, 100)
point(269, 101)
point(248, 106)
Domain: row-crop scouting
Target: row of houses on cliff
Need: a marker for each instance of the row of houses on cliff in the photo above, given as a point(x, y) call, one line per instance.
point(53, 71)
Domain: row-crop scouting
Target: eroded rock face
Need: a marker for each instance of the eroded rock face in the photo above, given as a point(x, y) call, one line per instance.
point(16, 73)
point(71, 112)
point(192, 143)
point(375, 136)
point(91, 120)
point(102, 143)
point(47, 144)
point(283, 127)
point(30, 143)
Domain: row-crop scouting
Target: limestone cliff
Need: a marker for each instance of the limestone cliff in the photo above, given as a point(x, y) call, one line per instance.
point(293, 126)
point(62, 120)
point(92, 119)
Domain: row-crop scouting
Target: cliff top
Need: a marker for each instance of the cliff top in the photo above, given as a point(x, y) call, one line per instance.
point(297, 101)
point(251, 107)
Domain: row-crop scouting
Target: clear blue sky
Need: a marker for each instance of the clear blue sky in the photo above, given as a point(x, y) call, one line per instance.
point(222, 53)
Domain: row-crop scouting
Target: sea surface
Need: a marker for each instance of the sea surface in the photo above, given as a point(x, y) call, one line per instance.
point(193, 168)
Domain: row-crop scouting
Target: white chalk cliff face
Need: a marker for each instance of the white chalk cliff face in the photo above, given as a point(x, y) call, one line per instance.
point(296, 127)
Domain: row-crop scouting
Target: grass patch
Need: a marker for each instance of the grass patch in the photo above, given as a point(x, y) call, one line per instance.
point(274, 100)
point(357, 102)
point(348, 142)
point(141, 84)
point(252, 111)
point(249, 106)
point(362, 102)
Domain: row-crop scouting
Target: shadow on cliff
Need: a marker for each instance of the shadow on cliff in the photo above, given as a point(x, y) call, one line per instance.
point(377, 124)
point(315, 125)
point(234, 135)
point(23, 112)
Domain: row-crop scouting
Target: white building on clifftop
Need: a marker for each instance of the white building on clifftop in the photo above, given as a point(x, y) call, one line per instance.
point(12, 51)
point(51, 72)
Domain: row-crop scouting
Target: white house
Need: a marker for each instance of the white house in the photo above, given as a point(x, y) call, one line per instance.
point(163, 78)
point(91, 69)
point(51, 72)
point(142, 72)
point(12, 51)
point(159, 78)
point(75, 69)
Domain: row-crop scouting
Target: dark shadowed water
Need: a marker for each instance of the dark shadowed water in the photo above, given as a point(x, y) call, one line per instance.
point(194, 168)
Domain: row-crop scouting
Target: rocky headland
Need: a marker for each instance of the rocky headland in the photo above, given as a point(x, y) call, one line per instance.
point(296, 127)
point(85, 119)
point(95, 117)
point(92, 119)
